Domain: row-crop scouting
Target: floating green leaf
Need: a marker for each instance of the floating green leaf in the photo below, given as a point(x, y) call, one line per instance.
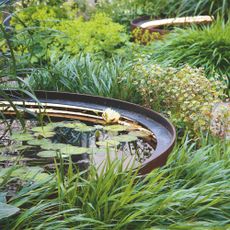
point(108, 143)
point(21, 137)
point(42, 129)
point(39, 142)
point(47, 154)
point(125, 138)
point(116, 128)
point(53, 146)
point(85, 129)
point(74, 150)
point(139, 133)
point(45, 135)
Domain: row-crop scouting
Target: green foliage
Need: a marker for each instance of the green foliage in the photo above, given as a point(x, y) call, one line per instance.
point(200, 47)
point(87, 74)
point(185, 94)
point(50, 29)
point(124, 11)
point(191, 191)
point(145, 37)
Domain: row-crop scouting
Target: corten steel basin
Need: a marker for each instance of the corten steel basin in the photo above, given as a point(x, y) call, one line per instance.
point(66, 106)
point(160, 25)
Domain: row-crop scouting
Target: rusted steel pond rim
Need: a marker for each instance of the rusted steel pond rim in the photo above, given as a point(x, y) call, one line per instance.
point(177, 21)
point(164, 131)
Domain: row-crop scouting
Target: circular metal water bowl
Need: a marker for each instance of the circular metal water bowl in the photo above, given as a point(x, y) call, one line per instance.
point(70, 106)
point(164, 26)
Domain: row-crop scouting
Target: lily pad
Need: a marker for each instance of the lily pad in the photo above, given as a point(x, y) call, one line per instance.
point(125, 138)
point(53, 146)
point(21, 137)
point(139, 133)
point(115, 128)
point(74, 150)
point(45, 135)
point(47, 154)
point(109, 143)
point(39, 142)
point(85, 129)
point(42, 129)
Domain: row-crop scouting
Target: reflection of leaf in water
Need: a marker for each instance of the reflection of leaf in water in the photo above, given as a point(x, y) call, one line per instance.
point(108, 143)
point(125, 138)
point(115, 128)
point(21, 137)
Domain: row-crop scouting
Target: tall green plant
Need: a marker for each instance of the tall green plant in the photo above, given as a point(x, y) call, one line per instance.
point(191, 191)
point(207, 47)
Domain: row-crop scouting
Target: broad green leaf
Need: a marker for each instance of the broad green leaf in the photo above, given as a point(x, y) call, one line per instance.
point(3, 197)
point(139, 133)
point(108, 143)
point(21, 137)
point(39, 142)
point(116, 128)
point(7, 210)
point(47, 154)
point(42, 129)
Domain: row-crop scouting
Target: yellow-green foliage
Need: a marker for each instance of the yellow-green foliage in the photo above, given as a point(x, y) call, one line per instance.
point(185, 94)
point(58, 30)
point(95, 35)
point(145, 37)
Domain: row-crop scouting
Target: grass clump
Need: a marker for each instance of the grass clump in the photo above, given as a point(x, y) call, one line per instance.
point(192, 190)
point(87, 74)
point(200, 47)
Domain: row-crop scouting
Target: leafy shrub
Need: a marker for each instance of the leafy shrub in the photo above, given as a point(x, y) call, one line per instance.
point(56, 30)
point(208, 48)
point(185, 94)
point(145, 37)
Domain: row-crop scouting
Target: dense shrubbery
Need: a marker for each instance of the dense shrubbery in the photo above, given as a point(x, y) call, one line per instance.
point(208, 47)
point(50, 30)
point(185, 94)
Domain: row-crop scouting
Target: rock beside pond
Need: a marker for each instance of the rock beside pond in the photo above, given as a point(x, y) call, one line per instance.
point(220, 122)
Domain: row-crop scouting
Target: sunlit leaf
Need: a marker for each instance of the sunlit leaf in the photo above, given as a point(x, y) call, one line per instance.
point(125, 138)
point(21, 137)
point(115, 128)
point(7, 210)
